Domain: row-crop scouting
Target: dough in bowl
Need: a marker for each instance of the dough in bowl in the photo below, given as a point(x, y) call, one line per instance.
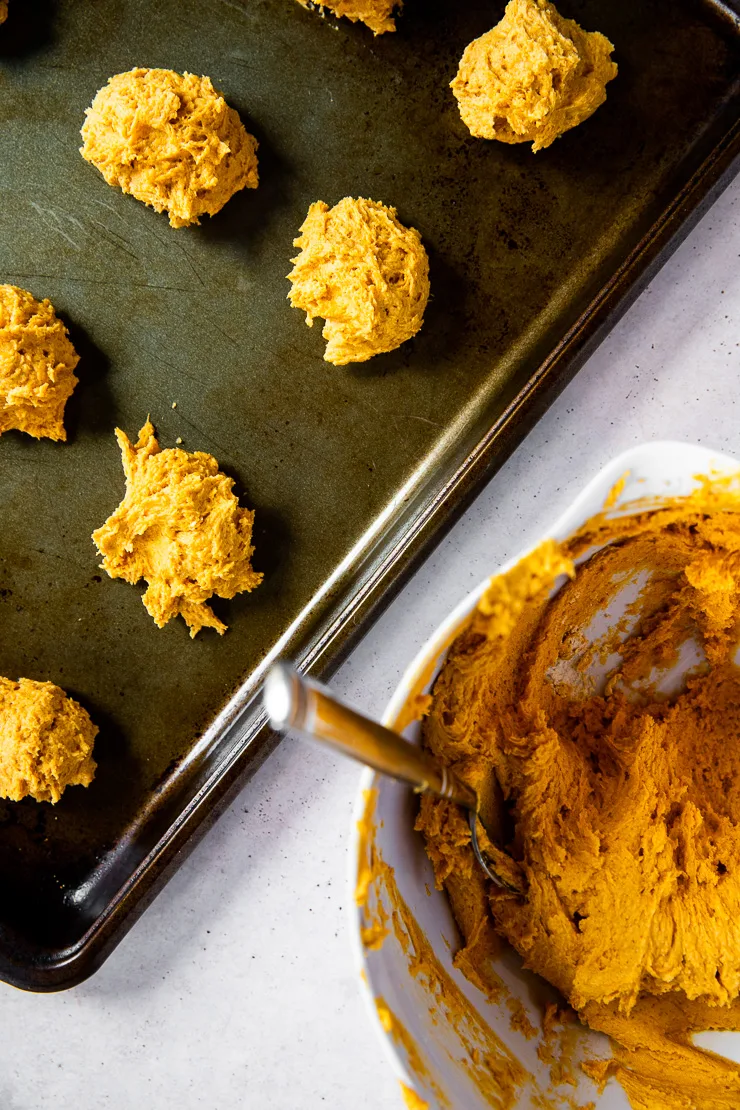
point(46, 741)
point(533, 77)
point(37, 363)
point(170, 140)
point(181, 528)
point(365, 273)
point(375, 14)
point(593, 702)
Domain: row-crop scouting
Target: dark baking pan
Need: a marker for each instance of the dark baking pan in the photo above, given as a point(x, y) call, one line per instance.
point(353, 472)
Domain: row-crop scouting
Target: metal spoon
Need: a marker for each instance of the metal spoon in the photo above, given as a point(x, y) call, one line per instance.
point(298, 704)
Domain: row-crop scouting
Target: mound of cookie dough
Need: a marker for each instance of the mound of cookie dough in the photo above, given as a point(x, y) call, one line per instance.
point(46, 741)
point(532, 77)
point(179, 527)
point(3, 10)
point(364, 273)
point(375, 14)
point(170, 140)
point(37, 362)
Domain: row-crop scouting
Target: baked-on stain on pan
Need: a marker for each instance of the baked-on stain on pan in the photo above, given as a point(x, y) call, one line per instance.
point(353, 472)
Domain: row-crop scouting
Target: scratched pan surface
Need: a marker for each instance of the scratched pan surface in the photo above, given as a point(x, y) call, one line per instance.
point(353, 471)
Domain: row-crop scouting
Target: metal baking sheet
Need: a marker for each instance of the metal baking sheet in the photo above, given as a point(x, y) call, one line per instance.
point(353, 472)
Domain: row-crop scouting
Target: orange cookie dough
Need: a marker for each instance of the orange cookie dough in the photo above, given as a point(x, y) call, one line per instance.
point(620, 777)
point(170, 140)
point(46, 741)
point(3, 10)
point(375, 14)
point(411, 1100)
point(365, 273)
point(37, 362)
point(179, 527)
point(533, 77)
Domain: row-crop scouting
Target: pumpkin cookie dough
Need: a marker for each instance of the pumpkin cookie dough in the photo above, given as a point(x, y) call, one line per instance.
point(37, 363)
point(3, 10)
point(375, 14)
point(46, 741)
point(619, 769)
point(179, 527)
point(170, 140)
point(364, 273)
point(533, 77)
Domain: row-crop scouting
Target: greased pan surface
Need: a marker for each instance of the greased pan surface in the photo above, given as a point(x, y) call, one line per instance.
point(353, 471)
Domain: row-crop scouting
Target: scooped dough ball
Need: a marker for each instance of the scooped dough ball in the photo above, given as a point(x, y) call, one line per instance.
point(37, 362)
point(375, 14)
point(364, 273)
point(171, 141)
point(534, 76)
point(46, 741)
point(179, 527)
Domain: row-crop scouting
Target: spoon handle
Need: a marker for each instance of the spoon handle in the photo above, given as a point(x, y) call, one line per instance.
point(301, 705)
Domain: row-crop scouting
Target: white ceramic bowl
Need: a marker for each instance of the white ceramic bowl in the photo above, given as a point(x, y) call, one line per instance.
point(432, 1055)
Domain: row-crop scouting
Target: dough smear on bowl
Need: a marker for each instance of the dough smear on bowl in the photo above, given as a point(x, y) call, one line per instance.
point(37, 363)
point(364, 273)
point(181, 528)
point(375, 14)
point(533, 76)
point(46, 741)
point(170, 140)
point(615, 763)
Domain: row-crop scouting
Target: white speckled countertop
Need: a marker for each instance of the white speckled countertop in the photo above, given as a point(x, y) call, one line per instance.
point(236, 987)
